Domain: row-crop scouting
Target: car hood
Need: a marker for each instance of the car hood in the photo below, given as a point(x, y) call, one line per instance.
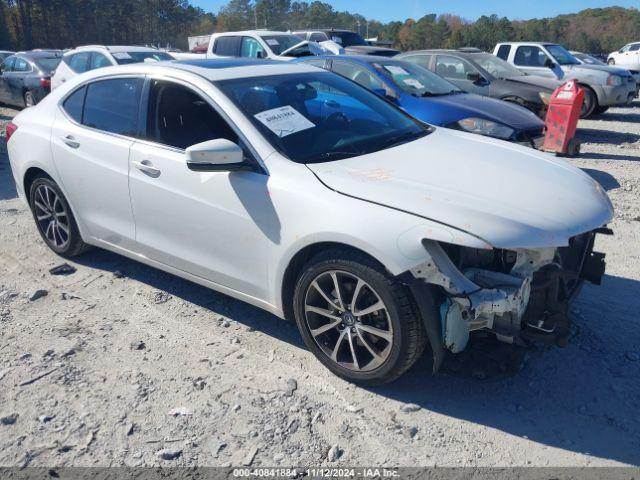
point(371, 50)
point(446, 109)
point(507, 195)
point(536, 81)
point(602, 70)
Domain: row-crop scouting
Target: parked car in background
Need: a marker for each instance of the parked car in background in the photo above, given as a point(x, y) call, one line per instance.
point(90, 57)
point(25, 77)
point(376, 232)
point(481, 73)
point(352, 42)
point(4, 54)
point(604, 86)
point(587, 59)
point(432, 99)
point(262, 44)
point(627, 57)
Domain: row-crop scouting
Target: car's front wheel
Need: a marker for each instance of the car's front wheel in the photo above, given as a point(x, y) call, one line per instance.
point(29, 99)
point(54, 218)
point(358, 320)
point(590, 102)
point(611, 62)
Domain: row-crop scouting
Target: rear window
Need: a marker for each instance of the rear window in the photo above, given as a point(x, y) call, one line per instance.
point(48, 64)
point(125, 58)
point(503, 52)
point(227, 46)
point(112, 105)
point(74, 104)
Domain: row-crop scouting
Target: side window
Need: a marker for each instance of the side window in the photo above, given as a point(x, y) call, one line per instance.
point(358, 74)
point(422, 60)
point(503, 52)
point(227, 46)
point(530, 56)
point(8, 64)
point(112, 105)
point(625, 48)
point(179, 117)
point(318, 37)
point(21, 65)
point(79, 62)
point(635, 47)
point(251, 48)
point(320, 62)
point(453, 67)
point(74, 104)
point(98, 60)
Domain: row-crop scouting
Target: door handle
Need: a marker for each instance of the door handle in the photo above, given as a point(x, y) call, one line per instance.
point(145, 166)
point(71, 141)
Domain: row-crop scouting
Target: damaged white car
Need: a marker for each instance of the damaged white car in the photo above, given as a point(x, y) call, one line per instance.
point(304, 194)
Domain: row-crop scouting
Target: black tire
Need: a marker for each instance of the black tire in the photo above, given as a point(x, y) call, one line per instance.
point(71, 244)
point(29, 99)
point(611, 61)
point(590, 102)
point(600, 110)
point(408, 337)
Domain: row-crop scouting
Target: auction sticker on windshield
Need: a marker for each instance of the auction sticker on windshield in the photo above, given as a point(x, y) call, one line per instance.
point(396, 70)
point(273, 42)
point(284, 121)
point(412, 82)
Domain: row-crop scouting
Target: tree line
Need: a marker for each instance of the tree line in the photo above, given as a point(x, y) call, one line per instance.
point(26, 24)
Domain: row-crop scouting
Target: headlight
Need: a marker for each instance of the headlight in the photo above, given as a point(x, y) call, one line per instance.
point(486, 127)
point(614, 80)
point(545, 97)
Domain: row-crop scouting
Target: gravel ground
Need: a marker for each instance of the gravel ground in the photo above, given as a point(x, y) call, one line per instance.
point(121, 364)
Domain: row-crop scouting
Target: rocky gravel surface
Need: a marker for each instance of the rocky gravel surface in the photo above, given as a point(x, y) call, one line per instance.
point(114, 363)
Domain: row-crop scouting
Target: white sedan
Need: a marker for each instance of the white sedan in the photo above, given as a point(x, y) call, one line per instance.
point(298, 191)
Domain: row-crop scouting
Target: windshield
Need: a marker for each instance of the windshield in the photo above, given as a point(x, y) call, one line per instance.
point(124, 58)
point(320, 117)
point(415, 80)
point(496, 66)
point(346, 39)
point(280, 43)
point(588, 59)
point(562, 55)
point(47, 64)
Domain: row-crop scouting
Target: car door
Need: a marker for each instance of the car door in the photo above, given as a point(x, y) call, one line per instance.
point(462, 74)
point(15, 81)
point(632, 57)
point(215, 225)
point(91, 137)
point(7, 68)
point(532, 59)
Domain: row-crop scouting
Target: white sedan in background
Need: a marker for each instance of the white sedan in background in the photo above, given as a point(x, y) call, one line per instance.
point(302, 193)
point(90, 57)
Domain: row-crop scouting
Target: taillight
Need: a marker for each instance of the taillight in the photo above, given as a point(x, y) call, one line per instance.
point(11, 129)
point(45, 82)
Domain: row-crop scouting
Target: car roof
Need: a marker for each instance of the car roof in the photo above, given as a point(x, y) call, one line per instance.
point(115, 48)
point(40, 54)
point(212, 69)
point(253, 32)
point(356, 58)
point(528, 43)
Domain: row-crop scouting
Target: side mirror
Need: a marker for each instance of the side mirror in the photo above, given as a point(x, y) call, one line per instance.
point(217, 155)
point(476, 78)
point(260, 54)
point(549, 63)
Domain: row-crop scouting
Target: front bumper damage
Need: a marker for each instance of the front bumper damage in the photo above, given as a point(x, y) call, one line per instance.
point(526, 300)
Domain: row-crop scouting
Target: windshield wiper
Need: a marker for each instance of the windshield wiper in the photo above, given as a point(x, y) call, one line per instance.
point(337, 155)
point(403, 138)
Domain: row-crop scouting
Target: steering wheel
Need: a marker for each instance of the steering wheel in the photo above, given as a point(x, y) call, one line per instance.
point(337, 116)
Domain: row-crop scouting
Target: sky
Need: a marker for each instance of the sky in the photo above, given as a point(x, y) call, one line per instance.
point(388, 10)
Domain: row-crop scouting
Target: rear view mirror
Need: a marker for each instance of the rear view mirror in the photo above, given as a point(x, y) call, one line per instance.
point(215, 156)
point(475, 77)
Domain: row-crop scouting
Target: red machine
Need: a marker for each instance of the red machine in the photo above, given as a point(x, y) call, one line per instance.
point(562, 119)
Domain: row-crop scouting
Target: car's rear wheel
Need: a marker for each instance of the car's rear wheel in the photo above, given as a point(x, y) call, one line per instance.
point(357, 319)
point(54, 218)
point(590, 102)
point(29, 99)
point(611, 61)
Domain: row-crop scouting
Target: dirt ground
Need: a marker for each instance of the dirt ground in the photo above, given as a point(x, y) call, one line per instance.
point(121, 364)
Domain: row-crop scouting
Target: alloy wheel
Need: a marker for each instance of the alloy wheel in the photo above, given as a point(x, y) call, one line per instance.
point(348, 321)
point(52, 216)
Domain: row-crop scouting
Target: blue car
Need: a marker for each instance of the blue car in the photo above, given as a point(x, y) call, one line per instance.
point(432, 99)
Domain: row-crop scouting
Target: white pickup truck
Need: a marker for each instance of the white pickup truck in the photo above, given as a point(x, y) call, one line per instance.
point(604, 85)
